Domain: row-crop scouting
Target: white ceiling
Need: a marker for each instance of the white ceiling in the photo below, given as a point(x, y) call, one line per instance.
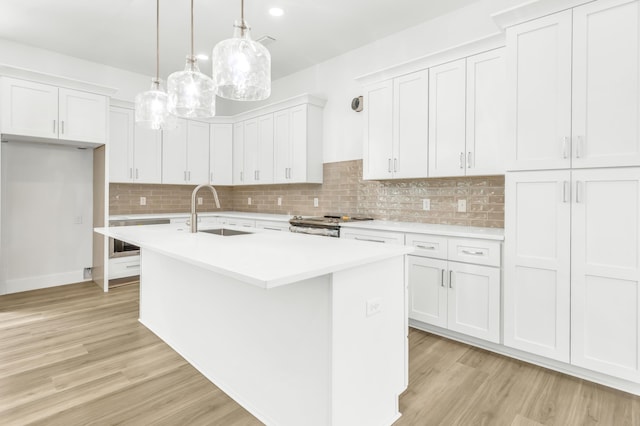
point(121, 33)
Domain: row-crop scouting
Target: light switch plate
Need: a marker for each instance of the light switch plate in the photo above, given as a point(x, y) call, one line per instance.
point(279, 201)
point(315, 202)
point(143, 201)
point(199, 201)
point(462, 206)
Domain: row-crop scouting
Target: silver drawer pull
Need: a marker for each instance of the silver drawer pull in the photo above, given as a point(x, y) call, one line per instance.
point(426, 247)
point(132, 266)
point(442, 278)
point(475, 253)
point(271, 229)
point(368, 239)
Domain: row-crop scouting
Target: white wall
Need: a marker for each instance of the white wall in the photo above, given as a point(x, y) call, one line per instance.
point(45, 188)
point(335, 81)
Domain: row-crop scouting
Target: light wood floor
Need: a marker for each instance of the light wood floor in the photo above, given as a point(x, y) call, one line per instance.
point(73, 355)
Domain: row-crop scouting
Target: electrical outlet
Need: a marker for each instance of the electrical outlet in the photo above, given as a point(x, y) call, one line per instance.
point(374, 306)
point(249, 201)
point(426, 204)
point(462, 206)
point(143, 201)
point(199, 201)
point(279, 201)
point(315, 202)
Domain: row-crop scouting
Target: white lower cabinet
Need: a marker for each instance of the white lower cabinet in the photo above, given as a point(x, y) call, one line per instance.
point(272, 225)
point(572, 270)
point(122, 267)
point(461, 297)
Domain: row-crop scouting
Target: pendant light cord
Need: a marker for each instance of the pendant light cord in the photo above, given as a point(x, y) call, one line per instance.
point(158, 40)
point(243, 26)
point(192, 57)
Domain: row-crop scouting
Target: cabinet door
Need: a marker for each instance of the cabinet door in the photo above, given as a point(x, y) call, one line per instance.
point(605, 260)
point(83, 116)
point(474, 301)
point(428, 290)
point(264, 171)
point(447, 109)
point(486, 113)
point(378, 131)
point(121, 124)
point(537, 263)
point(250, 150)
point(539, 97)
point(282, 146)
point(238, 153)
point(197, 152)
point(29, 109)
point(410, 130)
point(606, 92)
point(299, 134)
point(147, 155)
point(174, 154)
point(221, 154)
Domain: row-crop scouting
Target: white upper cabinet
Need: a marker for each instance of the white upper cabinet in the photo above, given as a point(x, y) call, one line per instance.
point(297, 145)
point(447, 109)
point(238, 153)
point(537, 263)
point(220, 154)
point(186, 153)
point(41, 110)
point(606, 95)
point(605, 271)
point(486, 116)
point(576, 106)
point(378, 131)
point(135, 153)
point(396, 128)
point(258, 150)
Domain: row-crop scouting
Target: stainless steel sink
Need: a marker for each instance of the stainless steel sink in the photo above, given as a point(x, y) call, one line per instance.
point(224, 232)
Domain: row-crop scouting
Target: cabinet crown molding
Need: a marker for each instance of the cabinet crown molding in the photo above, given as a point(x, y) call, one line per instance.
point(55, 80)
point(305, 98)
point(490, 42)
point(532, 10)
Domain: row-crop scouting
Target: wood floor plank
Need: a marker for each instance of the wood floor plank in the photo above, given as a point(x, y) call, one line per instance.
point(74, 355)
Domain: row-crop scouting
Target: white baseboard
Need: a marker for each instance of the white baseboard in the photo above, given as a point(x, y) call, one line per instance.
point(43, 281)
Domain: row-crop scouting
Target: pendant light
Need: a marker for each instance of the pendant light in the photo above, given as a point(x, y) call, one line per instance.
point(241, 66)
point(191, 93)
point(151, 106)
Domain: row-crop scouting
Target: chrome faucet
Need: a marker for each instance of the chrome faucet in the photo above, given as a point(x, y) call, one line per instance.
point(194, 215)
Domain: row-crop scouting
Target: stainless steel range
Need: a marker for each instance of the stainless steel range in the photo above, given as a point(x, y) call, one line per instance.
point(322, 225)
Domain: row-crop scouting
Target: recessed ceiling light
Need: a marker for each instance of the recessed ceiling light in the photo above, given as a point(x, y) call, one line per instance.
point(202, 57)
point(276, 11)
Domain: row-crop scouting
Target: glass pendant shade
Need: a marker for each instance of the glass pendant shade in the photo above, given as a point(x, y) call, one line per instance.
point(241, 67)
point(191, 93)
point(151, 108)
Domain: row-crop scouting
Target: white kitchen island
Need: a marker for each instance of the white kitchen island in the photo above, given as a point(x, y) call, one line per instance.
point(298, 329)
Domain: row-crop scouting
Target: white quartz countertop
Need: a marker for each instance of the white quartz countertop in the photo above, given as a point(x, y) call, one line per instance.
point(238, 215)
point(263, 258)
point(428, 228)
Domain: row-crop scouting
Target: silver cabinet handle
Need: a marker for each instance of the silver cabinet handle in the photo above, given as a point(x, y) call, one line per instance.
point(62, 126)
point(132, 266)
point(389, 165)
point(566, 142)
point(289, 172)
point(579, 147)
point(369, 239)
point(54, 127)
point(271, 229)
point(450, 279)
point(184, 175)
point(241, 176)
point(565, 191)
point(578, 189)
point(426, 247)
point(462, 160)
point(137, 173)
point(130, 173)
point(395, 164)
point(441, 277)
point(472, 252)
point(469, 160)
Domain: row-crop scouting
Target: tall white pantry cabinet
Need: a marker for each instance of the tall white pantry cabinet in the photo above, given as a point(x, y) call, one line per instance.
point(572, 213)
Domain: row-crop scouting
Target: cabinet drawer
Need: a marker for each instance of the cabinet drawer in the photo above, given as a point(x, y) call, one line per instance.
point(428, 245)
point(238, 222)
point(373, 236)
point(120, 267)
point(481, 252)
point(272, 225)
